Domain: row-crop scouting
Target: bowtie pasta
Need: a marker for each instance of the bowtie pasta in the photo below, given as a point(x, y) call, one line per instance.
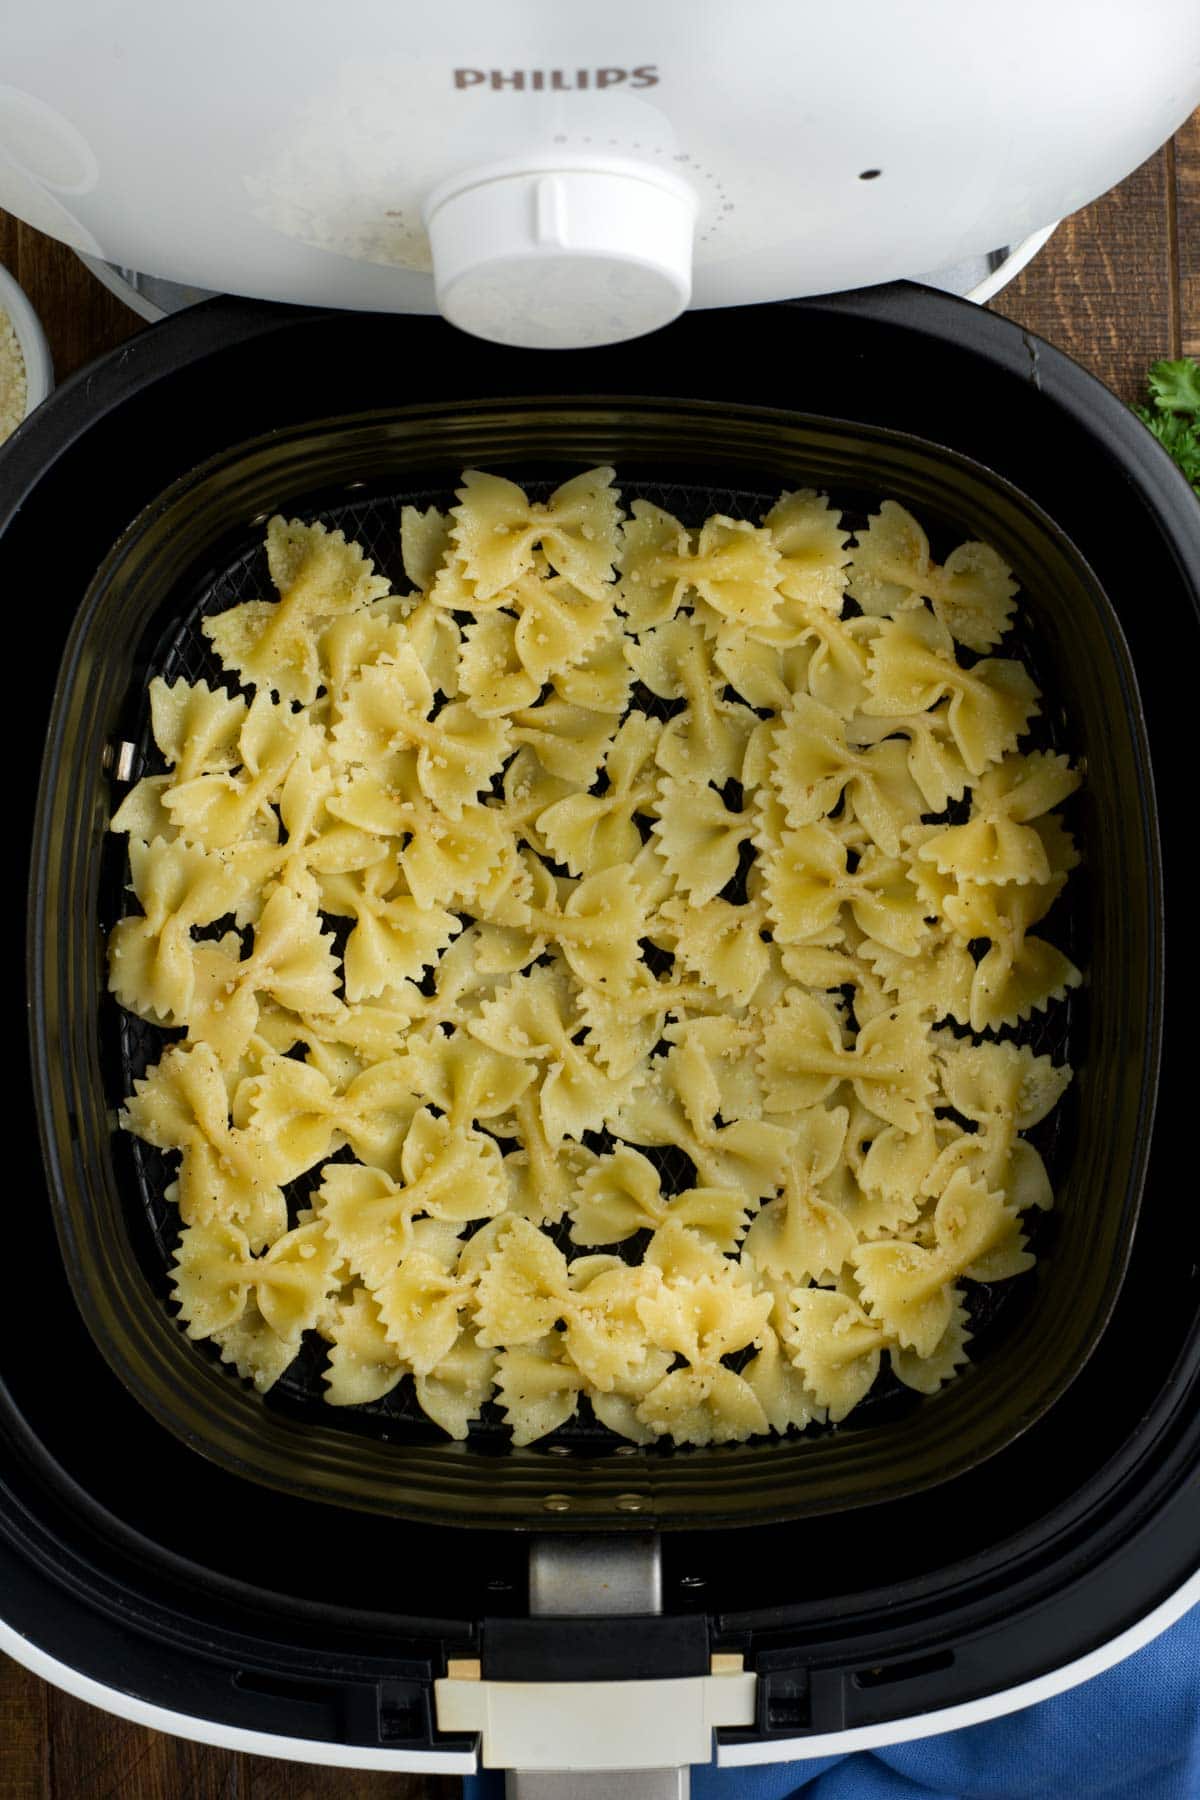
point(619, 938)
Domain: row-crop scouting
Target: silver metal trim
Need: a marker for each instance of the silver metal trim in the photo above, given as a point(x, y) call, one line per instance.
point(573, 1576)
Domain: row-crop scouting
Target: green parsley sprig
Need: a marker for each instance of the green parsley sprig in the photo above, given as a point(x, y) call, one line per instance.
point(1173, 414)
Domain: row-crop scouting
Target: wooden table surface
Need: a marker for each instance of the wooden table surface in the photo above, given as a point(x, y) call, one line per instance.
point(1117, 286)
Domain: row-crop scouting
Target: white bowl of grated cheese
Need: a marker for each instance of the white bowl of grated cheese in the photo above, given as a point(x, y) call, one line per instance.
point(26, 372)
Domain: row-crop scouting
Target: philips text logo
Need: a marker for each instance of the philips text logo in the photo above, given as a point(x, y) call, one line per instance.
point(560, 80)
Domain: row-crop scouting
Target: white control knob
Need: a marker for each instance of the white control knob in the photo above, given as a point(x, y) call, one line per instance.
point(562, 259)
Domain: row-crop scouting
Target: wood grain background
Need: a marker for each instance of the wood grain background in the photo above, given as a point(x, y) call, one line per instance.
point(1117, 287)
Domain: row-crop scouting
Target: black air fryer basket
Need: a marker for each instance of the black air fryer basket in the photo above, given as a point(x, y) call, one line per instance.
point(194, 551)
point(309, 1572)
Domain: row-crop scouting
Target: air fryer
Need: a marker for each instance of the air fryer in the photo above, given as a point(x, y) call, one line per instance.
point(145, 1554)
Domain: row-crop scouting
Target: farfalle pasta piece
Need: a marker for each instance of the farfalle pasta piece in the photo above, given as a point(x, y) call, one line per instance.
point(813, 549)
point(442, 859)
point(748, 1154)
point(887, 1160)
point(150, 958)
point(546, 627)
point(317, 842)
point(214, 1276)
point(557, 623)
point(803, 1236)
point(434, 635)
point(453, 1395)
point(601, 679)
point(808, 880)
point(522, 886)
point(497, 530)
point(947, 895)
point(568, 740)
point(423, 1300)
point(343, 1042)
point(926, 1374)
point(892, 570)
point(317, 575)
point(1018, 974)
point(463, 1078)
point(297, 1110)
point(652, 560)
point(779, 1387)
point(527, 791)
point(291, 960)
point(721, 1055)
point(624, 1026)
point(735, 569)
point(432, 567)
point(376, 633)
point(227, 1175)
point(257, 1352)
point(997, 843)
point(597, 929)
point(590, 832)
point(605, 1337)
point(385, 717)
point(913, 667)
point(425, 544)
point(527, 1287)
point(990, 1080)
point(542, 1174)
point(491, 674)
point(394, 939)
point(802, 1060)
point(524, 1289)
point(813, 766)
point(699, 839)
point(142, 815)
point(880, 1189)
point(1003, 1088)
point(460, 984)
point(617, 1409)
point(937, 980)
point(764, 674)
point(682, 1255)
point(703, 1401)
point(537, 1388)
point(732, 566)
point(622, 1193)
point(279, 1032)
point(364, 1365)
point(533, 1018)
point(707, 740)
point(839, 655)
point(934, 760)
point(720, 943)
point(835, 1346)
point(808, 649)
point(196, 727)
point(217, 808)
point(448, 1176)
point(910, 1290)
point(827, 969)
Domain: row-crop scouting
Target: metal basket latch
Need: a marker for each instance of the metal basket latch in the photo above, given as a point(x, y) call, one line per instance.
point(607, 1737)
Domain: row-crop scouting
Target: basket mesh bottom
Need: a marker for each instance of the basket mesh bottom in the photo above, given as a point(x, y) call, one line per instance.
point(372, 518)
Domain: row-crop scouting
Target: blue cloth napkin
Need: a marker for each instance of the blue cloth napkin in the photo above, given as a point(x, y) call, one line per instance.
point(1132, 1733)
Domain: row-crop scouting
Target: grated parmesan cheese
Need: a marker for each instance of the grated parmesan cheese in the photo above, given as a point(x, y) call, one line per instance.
point(12, 379)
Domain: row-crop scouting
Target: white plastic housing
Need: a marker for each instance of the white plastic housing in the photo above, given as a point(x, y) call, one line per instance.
point(558, 258)
point(290, 148)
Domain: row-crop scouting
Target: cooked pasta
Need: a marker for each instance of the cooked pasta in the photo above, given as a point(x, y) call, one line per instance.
point(616, 937)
